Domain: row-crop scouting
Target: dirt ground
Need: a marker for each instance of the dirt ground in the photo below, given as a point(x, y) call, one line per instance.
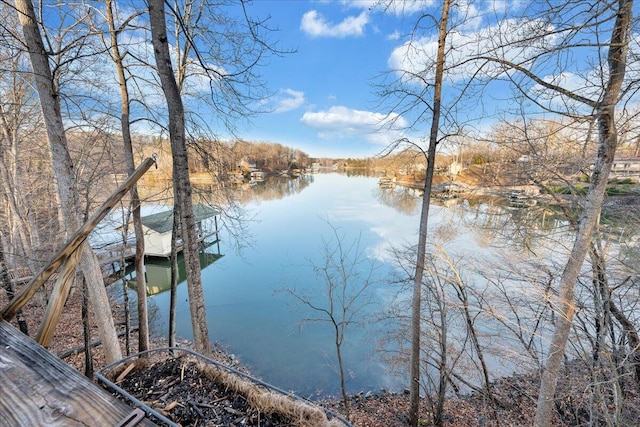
point(178, 389)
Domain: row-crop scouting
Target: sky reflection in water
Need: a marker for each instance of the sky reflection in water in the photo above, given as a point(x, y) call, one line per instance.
point(250, 315)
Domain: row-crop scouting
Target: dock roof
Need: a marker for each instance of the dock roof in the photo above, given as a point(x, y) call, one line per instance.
point(162, 222)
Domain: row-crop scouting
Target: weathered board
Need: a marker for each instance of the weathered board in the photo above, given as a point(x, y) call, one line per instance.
point(37, 388)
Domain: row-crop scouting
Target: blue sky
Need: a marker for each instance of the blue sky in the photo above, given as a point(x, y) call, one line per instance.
point(324, 101)
point(324, 97)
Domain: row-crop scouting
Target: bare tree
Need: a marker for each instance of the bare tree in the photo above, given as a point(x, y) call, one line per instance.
point(421, 101)
point(125, 123)
point(549, 33)
point(439, 353)
point(348, 277)
point(20, 119)
point(181, 182)
point(64, 172)
point(7, 284)
point(453, 316)
point(604, 338)
point(211, 47)
point(603, 103)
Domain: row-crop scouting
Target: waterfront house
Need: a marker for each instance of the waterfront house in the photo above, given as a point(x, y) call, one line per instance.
point(626, 167)
point(257, 176)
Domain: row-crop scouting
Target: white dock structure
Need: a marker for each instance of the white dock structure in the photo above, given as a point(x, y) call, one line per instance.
point(157, 235)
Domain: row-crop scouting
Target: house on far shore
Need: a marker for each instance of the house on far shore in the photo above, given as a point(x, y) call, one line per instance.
point(257, 175)
point(157, 229)
point(626, 167)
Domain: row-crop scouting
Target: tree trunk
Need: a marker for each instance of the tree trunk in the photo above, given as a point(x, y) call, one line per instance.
point(5, 280)
point(58, 298)
point(174, 277)
point(414, 388)
point(24, 235)
point(628, 328)
point(18, 226)
point(343, 388)
point(607, 142)
point(443, 374)
point(64, 174)
point(181, 183)
point(86, 329)
point(141, 286)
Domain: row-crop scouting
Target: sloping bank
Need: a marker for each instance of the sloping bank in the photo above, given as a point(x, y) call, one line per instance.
point(177, 386)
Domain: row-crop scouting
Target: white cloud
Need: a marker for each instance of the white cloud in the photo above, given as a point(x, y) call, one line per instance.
point(398, 7)
point(360, 4)
point(503, 41)
point(315, 25)
point(394, 36)
point(340, 122)
point(572, 82)
point(288, 99)
point(473, 14)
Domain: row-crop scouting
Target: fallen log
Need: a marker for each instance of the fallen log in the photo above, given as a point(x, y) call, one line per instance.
point(94, 343)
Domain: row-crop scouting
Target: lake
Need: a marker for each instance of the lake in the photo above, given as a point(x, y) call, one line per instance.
point(251, 314)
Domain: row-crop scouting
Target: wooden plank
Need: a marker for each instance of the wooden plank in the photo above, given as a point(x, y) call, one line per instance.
point(73, 243)
point(57, 299)
point(37, 388)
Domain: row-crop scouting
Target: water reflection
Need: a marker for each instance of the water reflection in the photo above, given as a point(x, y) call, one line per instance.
point(402, 199)
point(360, 172)
point(248, 315)
point(278, 187)
point(158, 269)
point(273, 187)
point(491, 218)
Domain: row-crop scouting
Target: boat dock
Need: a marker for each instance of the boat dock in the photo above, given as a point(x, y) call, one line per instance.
point(157, 229)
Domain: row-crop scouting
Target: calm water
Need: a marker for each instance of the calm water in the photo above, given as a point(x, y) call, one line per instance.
point(250, 315)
